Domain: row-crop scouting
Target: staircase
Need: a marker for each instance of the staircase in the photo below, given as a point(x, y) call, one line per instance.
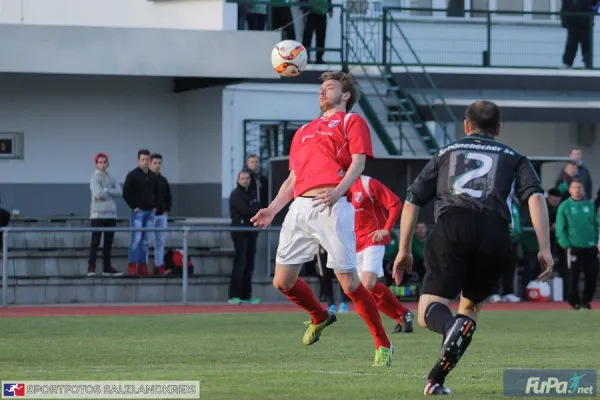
point(391, 110)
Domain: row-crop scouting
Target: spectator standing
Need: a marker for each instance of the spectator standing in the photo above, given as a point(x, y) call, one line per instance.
point(242, 207)
point(259, 184)
point(4, 221)
point(565, 177)
point(164, 202)
point(140, 192)
point(282, 16)
point(553, 200)
point(418, 245)
point(103, 214)
point(327, 287)
point(256, 17)
point(579, 30)
point(316, 23)
point(577, 232)
point(581, 173)
point(504, 290)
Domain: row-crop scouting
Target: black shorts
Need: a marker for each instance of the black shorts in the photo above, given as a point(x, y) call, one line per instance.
point(467, 252)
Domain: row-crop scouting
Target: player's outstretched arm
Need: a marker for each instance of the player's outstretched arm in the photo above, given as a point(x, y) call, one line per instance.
point(285, 194)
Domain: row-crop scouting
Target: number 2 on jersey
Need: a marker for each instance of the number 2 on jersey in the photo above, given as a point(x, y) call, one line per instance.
point(487, 162)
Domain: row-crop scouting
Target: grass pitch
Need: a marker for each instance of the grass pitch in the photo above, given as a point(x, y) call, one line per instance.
point(260, 356)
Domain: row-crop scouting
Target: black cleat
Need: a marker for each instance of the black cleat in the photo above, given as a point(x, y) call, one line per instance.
point(575, 306)
point(585, 306)
point(435, 389)
point(407, 322)
point(456, 342)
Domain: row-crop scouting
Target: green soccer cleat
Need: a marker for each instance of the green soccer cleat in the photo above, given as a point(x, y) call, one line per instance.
point(313, 332)
point(383, 356)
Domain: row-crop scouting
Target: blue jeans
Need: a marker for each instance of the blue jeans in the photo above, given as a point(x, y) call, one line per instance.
point(138, 247)
point(160, 221)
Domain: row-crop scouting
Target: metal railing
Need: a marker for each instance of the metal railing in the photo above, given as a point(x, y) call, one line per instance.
point(185, 230)
point(484, 38)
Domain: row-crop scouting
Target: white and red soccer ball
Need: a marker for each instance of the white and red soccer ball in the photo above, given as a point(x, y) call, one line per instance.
point(538, 291)
point(289, 58)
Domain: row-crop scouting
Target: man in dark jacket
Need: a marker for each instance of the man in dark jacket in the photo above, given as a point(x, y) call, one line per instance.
point(578, 18)
point(140, 193)
point(581, 173)
point(316, 23)
point(242, 207)
point(164, 202)
point(259, 185)
point(564, 179)
point(4, 220)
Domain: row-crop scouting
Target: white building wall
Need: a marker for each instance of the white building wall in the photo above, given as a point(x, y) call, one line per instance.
point(534, 139)
point(199, 133)
point(249, 101)
point(173, 14)
point(66, 120)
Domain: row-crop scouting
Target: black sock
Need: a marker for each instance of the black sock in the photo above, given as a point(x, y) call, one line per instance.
point(439, 318)
point(450, 358)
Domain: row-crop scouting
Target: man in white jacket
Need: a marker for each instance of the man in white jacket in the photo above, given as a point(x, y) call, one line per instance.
point(103, 212)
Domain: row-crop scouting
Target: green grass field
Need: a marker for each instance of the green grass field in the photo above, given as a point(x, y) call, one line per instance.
point(260, 356)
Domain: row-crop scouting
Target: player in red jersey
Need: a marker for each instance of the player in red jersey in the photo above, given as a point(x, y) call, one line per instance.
point(327, 155)
point(377, 210)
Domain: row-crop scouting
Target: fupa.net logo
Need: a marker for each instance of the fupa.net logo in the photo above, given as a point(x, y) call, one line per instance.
point(555, 386)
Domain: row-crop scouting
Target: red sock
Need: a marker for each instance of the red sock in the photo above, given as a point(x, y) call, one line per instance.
point(387, 302)
point(367, 309)
point(303, 295)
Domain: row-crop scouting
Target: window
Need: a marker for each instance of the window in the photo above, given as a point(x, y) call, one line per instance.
point(11, 145)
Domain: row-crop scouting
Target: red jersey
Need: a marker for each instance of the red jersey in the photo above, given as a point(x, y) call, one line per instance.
point(377, 207)
point(322, 150)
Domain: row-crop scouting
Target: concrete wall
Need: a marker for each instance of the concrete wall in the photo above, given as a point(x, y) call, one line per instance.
point(172, 14)
point(66, 120)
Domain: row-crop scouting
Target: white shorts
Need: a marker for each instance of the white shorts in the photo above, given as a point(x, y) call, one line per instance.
point(370, 260)
point(305, 228)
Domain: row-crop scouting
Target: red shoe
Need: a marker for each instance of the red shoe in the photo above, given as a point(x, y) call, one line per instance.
point(143, 270)
point(161, 270)
point(132, 269)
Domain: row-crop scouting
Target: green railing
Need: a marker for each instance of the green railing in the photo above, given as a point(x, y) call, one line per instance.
point(433, 94)
point(483, 38)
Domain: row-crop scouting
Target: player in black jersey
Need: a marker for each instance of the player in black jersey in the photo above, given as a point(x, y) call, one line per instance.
point(472, 181)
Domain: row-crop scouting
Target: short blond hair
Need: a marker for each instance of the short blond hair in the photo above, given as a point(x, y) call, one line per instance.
point(348, 84)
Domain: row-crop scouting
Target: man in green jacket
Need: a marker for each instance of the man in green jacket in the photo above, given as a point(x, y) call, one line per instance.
point(577, 232)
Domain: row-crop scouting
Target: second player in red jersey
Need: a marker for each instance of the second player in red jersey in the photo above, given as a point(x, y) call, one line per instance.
point(326, 156)
point(377, 210)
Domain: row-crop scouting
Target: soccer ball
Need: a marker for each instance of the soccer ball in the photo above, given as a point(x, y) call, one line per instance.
point(538, 291)
point(289, 58)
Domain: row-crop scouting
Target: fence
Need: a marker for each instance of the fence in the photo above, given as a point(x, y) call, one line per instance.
point(184, 230)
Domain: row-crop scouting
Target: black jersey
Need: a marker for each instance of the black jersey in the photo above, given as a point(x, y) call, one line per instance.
point(478, 173)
